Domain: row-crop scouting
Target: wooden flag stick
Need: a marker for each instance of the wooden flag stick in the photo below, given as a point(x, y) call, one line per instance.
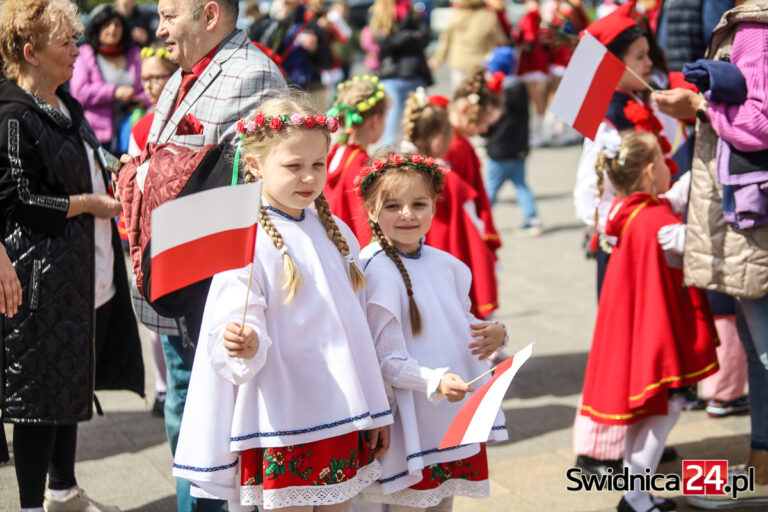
point(247, 292)
point(650, 88)
point(481, 376)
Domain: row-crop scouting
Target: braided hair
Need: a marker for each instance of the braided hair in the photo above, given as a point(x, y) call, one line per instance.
point(480, 97)
point(423, 120)
point(386, 183)
point(260, 142)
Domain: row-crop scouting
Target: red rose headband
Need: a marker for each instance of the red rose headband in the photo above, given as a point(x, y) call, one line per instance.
point(379, 166)
point(274, 124)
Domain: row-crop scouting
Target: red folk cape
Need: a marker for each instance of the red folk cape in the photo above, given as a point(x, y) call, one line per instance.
point(651, 334)
point(454, 232)
point(464, 161)
point(340, 190)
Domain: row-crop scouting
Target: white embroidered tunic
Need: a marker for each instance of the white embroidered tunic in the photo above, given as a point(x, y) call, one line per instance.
point(415, 365)
point(315, 374)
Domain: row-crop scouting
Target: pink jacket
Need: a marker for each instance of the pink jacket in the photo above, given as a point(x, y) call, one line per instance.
point(96, 95)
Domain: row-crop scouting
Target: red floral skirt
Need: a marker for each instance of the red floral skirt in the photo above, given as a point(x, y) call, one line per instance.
point(323, 472)
point(473, 469)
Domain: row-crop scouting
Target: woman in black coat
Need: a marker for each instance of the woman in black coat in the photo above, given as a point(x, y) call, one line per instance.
point(75, 331)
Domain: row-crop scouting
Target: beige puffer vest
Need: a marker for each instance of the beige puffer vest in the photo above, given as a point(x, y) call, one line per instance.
point(717, 256)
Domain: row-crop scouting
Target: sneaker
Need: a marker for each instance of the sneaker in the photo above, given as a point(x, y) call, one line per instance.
point(759, 498)
point(720, 409)
point(76, 501)
point(158, 408)
point(532, 227)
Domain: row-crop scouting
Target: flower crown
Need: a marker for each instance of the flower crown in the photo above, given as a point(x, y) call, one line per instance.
point(378, 166)
point(147, 52)
point(275, 123)
point(352, 113)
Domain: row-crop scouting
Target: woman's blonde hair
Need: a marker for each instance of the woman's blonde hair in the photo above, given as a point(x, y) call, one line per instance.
point(637, 150)
point(260, 143)
point(383, 21)
point(35, 22)
point(389, 183)
point(480, 97)
point(422, 120)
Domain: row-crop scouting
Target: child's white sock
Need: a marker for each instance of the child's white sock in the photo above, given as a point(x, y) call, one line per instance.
point(644, 445)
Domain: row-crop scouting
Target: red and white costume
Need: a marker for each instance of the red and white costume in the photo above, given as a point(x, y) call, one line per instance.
point(345, 163)
point(415, 472)
point(314, 377)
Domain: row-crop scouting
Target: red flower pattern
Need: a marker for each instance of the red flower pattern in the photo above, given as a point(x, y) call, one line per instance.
point(275, 123)
point(260, 119)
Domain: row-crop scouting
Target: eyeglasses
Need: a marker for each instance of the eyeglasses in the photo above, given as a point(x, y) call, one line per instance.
point(155, 78)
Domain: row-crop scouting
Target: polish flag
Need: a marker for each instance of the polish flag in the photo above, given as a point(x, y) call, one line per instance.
point(587, 86)
point(475, 418)
point(202, 234)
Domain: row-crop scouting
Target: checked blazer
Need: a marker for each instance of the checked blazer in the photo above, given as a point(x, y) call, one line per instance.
point(230, 88)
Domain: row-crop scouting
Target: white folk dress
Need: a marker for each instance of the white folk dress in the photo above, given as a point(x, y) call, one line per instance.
point(315, 375)
point(413, 366)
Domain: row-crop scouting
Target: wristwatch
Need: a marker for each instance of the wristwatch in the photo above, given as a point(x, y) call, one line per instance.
point(701, 111)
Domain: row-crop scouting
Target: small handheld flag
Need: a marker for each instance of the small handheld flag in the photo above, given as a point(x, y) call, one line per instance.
point(202, 234)
point(587, 86)
point(475, 418)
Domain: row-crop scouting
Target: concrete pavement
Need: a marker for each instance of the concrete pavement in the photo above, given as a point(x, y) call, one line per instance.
point(547, 298)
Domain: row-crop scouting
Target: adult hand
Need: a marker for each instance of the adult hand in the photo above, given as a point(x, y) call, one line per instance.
point(678, 103)
point(309, 41)
point(242, 343)
point(125, 93)
point(432, 63)
point(102, 206)
point(453, 387)
point(10, 287)
point(490, 338)
point(378, 440)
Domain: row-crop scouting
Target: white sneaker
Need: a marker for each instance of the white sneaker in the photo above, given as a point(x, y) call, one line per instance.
point(76, 501)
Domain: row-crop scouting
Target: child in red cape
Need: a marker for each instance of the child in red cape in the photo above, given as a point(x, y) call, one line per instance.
point(427, 131)
point(653, 336)
point(474, 109)
point(361, 106)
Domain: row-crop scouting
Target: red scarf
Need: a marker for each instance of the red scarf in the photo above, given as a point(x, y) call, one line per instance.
point(111, 49)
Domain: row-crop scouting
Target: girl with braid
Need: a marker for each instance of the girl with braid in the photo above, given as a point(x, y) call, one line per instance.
point(428, 131)
point(429, 344)
point(287, 411)
point(653, 336)
point(361, 106)
point(475, 107)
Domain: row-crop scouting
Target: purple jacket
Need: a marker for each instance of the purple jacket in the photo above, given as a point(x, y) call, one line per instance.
point(96, 95)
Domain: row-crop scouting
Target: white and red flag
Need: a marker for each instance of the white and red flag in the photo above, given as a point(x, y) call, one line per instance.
point(475, 418)
point(587, 86)
point(202, 234)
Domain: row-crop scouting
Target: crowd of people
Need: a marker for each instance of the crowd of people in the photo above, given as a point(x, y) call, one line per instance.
point(371, 294)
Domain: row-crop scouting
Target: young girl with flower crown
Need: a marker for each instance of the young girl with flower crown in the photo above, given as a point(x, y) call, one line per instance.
point(361, 106)
point(428, 131)
point(475, 107)
point(653, 337)
point(288, 410)
point(428, 342)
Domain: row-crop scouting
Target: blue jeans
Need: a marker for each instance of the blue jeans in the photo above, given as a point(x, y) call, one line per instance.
point(397, 89)
point(179, 369)
point(752, 324)
point(513, 170)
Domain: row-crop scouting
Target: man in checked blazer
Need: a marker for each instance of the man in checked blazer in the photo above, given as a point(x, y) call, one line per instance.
point(222, 78)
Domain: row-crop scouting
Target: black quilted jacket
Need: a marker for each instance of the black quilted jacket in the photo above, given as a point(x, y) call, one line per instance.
point(49, 362)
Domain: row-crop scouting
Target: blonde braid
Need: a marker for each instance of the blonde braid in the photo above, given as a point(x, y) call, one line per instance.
point(413, 309)
point(410, 113)
point(290, 270)
point(356, 277)
point(601, 166)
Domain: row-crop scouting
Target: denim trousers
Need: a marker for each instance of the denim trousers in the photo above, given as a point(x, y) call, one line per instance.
point(179, 369)
point(512, 170)
point(752, 323)
point(397, 89)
